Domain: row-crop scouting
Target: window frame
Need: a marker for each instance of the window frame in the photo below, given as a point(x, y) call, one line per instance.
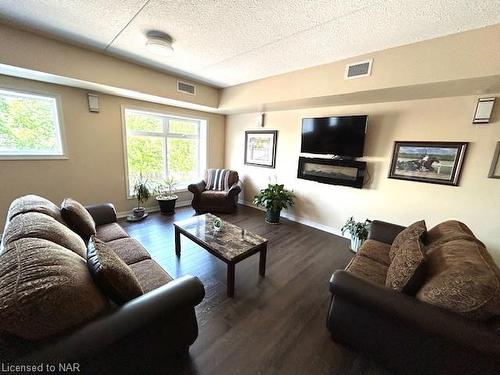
point(60, 120)
point(202, 139)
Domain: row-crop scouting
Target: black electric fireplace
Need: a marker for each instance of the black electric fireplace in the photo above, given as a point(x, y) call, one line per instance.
point(332, 171)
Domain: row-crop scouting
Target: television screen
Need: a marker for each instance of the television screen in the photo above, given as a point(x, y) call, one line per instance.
point(342, 136)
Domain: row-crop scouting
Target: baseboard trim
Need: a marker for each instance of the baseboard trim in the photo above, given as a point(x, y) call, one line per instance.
point(301, 220)
point(151, 209)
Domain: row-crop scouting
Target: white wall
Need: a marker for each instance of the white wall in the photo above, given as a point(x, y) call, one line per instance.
point(476, 201)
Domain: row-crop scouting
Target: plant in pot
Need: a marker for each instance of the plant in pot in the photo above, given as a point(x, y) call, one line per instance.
point(165, 196)
point(358, 231)
point(274, 198)
point(142, 194)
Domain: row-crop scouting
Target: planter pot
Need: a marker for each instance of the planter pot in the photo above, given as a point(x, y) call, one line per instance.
point(167, 205)
point(356, 243)
point(273, 216)
point(139, 211)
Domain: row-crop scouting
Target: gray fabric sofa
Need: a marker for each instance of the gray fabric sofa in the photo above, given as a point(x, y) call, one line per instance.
point(138, 337)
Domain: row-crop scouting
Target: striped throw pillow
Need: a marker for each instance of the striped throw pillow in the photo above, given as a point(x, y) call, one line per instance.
point(218, 179)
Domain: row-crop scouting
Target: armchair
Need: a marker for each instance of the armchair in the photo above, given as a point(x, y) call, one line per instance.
point(224, 201)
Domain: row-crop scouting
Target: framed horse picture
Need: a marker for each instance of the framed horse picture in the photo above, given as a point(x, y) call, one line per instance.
point(432, 162)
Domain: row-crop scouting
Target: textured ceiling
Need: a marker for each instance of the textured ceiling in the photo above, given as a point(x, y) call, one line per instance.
point(230, 42)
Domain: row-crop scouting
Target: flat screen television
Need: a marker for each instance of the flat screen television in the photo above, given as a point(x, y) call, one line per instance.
point(340, 135)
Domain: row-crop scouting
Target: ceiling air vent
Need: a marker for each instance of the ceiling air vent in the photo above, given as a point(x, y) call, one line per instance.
point(358, 69)
point(186, 88)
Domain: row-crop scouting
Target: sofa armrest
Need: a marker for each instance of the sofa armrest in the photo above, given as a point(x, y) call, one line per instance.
point(235, 189)
point(384, 232)
point(197, 188)
point(146, 313)
point(104, 213)
point(396, 327)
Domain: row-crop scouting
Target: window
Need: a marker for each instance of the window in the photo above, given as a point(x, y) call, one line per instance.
point(160, 146)
point(29, 125)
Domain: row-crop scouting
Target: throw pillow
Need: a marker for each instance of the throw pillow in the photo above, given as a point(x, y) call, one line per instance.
point(406, 271)
point(115, 279)
point(416, 230)
point(78, 218)
point(218, 179)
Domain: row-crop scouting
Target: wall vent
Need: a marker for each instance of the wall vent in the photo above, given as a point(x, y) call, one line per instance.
point(358, 69)
point(186, 88)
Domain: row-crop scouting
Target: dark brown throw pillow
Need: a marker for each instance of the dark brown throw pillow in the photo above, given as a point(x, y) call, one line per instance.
point(78, 218)
point(115, 279)
point(406, 272)
point(416, 230)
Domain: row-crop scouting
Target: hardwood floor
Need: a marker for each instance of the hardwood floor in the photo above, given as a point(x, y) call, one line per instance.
point(274, 324)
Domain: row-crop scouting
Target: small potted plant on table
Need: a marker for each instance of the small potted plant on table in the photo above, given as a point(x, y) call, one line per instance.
point(358, 232)
point(165, 196)
point(142, 194)
point(274, 198)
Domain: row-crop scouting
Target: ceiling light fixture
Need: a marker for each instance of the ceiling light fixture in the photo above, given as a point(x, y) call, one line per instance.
point(159, 43)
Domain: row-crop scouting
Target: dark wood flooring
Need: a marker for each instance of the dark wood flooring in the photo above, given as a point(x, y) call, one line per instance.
point(274, 324)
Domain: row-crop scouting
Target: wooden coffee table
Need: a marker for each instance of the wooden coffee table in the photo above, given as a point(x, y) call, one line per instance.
point(232, 244)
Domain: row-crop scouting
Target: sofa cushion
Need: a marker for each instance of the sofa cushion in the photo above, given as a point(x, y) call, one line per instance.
point(34, 203)
point(417, 229)
point(78, 218)
point(368, 269)
point(113, 277)
point(406, 271)
point(129, 250)
point(448, 231)
point(110, 232)
point(376, 250)
point(150, 275)
point(462, 277)
point(38, 225)
point(45, 289)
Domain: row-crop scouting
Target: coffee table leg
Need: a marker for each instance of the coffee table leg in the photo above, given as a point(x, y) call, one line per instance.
point(262, 261)
point(177, 242)
point(230, 279)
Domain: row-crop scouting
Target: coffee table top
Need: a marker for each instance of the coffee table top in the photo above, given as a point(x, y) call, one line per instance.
point(230, 242)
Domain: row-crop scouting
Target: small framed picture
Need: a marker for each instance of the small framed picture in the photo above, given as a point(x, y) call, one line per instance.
point(432, 162)
point(260, 148)
point(495, 166)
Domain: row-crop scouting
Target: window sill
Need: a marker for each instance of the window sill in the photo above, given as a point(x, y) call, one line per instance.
point(33, 157)
point(183, 190)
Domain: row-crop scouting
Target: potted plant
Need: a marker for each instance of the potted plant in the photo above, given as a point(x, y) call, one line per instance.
point(165, 196)
point(358, 232)
point(142, 194)
point(274, 198)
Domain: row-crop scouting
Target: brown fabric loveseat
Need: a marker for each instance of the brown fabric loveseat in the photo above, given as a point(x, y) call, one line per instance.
point(51, 311)
point(224, 201)
point(449, 326)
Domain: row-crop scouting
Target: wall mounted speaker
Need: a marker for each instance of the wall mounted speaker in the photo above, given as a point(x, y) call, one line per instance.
point(484, 109)
point(93, 103)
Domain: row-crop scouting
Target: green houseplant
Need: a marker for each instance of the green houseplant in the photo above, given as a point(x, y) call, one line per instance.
point(358, 231)
point(142, 193)
point(274, 198)
point(165, 196)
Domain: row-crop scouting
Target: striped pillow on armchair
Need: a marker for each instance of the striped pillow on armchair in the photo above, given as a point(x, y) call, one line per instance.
point(217, 179)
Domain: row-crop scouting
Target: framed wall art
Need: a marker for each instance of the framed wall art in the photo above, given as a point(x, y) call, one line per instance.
point(260, 148)
point(432, 162)
point(495, 166)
